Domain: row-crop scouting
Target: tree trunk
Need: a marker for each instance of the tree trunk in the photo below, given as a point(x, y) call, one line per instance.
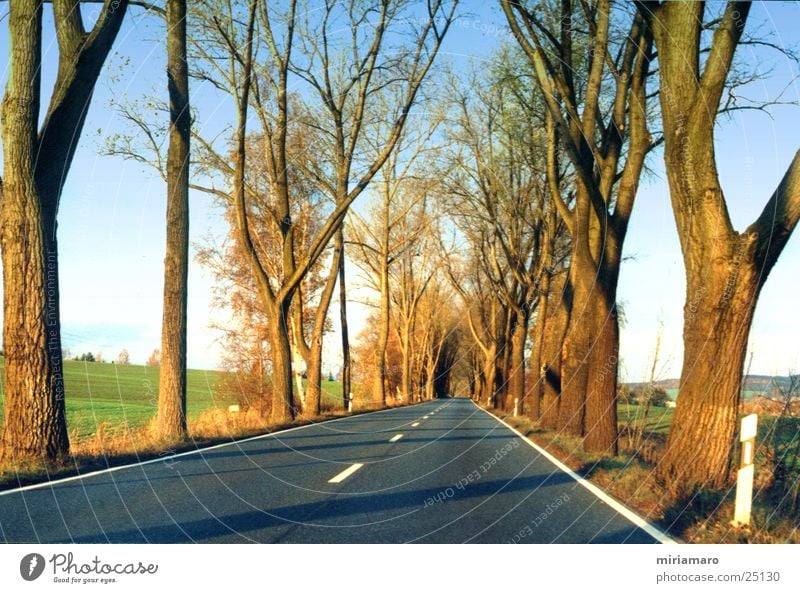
point(379, 387)
point(576, 347)
point(172, 382)
point(35, 167)
point(553, 343)
point(504, 361)
point(346, 387)
point(313, 402)
point(406, 383)
point(589, 370)
point(282, 405)
point(720, 302)
point(516, 380)
point(34, 422)
point(601, 401)
point(430, 372)
point(534, 404)
point(489, 386)
point(297, 366)
point(725, 269)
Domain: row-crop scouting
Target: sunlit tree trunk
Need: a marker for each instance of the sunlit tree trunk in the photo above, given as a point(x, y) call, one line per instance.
point(725, 269)
point(35, 166)
point(172, 374)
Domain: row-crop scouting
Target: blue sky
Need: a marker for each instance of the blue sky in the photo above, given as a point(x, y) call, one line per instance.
point(112, 230)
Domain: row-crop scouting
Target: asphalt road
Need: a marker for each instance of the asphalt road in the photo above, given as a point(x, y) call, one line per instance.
point(455, 475)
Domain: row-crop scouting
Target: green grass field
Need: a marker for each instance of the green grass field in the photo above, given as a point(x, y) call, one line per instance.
point(658, 418)
point(127, 395)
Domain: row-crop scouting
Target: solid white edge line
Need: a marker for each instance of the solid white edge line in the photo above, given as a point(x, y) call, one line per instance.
point(342, 476)
point(633, 517)
point(111, 470)
point(396, 438)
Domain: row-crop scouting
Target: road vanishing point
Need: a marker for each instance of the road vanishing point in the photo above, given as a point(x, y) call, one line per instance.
point(443, 471)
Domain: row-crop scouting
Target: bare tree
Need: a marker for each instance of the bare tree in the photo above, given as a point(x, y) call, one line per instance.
point(347, 90)
point(500, 200)
point(36, 160)
point(396, 225)
point(593, 71)
point(725, 268)
point(123, 357)
point(154, 359)
point(172, 383)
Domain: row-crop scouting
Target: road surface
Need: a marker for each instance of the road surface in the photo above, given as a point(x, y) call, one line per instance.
point(441, 471)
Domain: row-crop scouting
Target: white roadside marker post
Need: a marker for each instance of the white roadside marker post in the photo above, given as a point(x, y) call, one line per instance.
point(744, 478)
point(350, 402)
point(516, 407)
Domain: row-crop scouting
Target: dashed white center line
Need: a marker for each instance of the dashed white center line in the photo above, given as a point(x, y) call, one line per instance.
point(396, 438)
point(415, 424)
point(424, 417)
point(341, 477)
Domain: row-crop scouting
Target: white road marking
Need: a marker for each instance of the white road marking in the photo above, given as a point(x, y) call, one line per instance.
point(415, 424)
point(396, 438)
point(640, 522)
point(341, 477)
point(424, 417)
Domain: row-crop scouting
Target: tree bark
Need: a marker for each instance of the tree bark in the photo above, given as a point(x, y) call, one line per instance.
point(346, 386)
point(282, 406)
point(534, 403)
point(172, 381)
point(406, 384)
point(516, 379)
point(725, 269)
point(379, 387)
point(313, 401)
point(553, 341)
point(35, 166)
point(601, 401)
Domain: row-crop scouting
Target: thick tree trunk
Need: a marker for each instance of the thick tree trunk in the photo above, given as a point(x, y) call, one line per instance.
point(720, 302)
point(725, 269)
point(346, 386)
point(589, 372)
point(172, 382)
point(34, 422)
point(601, 401)
point(282, 406)
point(575, 351)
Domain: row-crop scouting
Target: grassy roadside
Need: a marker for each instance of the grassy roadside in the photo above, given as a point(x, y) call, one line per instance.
point(702, 517)
point(110, 408)
point(135, 445)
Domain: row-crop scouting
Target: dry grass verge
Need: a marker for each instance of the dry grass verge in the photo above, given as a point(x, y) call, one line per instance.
point(701, 517)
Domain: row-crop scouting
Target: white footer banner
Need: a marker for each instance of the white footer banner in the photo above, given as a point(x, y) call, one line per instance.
point(393, 568)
